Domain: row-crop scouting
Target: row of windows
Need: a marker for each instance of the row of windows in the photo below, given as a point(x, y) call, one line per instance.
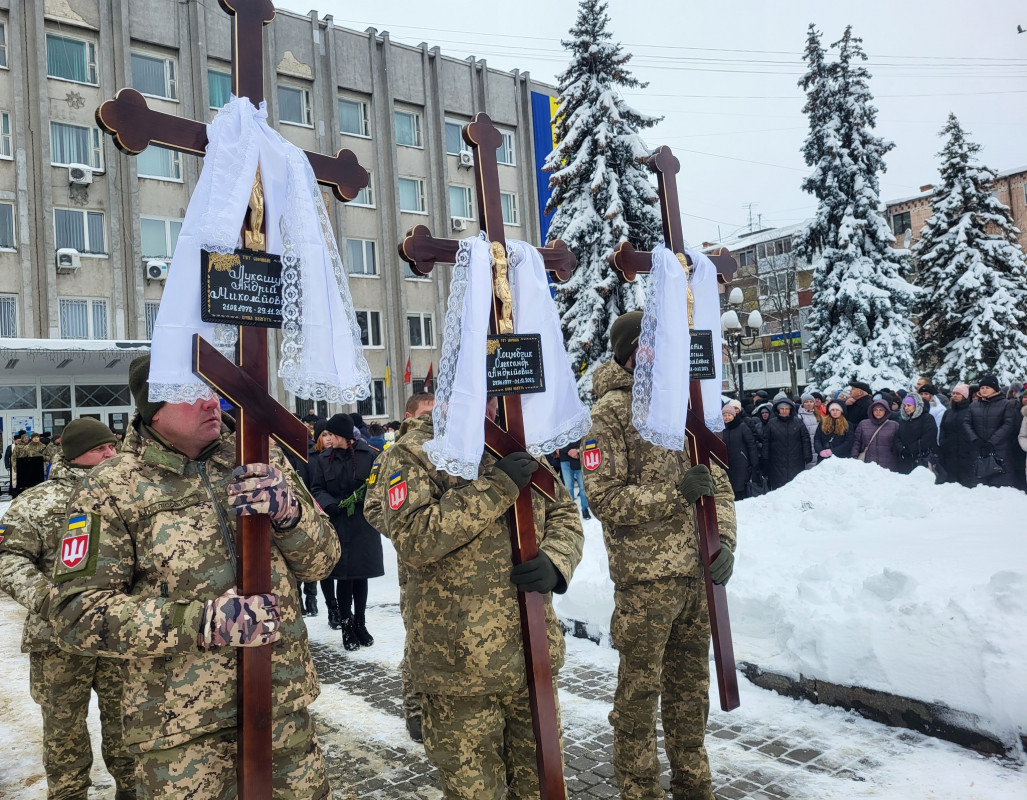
point(772, 361)
point(420, 328)
point(413, 199)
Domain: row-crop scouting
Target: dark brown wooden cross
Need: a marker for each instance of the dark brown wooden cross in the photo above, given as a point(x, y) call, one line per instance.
point(421, 250)
point(704, 446)
point(134, 127)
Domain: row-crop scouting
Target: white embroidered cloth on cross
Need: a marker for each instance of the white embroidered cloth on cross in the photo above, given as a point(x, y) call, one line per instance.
point(320, 356)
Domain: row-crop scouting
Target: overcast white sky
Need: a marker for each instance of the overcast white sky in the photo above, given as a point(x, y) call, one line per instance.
point(724, 76)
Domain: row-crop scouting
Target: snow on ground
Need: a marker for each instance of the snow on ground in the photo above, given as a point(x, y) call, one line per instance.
point(858, 576)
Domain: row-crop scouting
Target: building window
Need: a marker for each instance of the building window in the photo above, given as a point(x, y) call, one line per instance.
point(460, 202)
point(370, 323)
point(777, 284)
point(509, 202)
point(151, 317)
point(219, 85)
point(5, 135)
point(7, 225)
point(408, 128)
point(158, 236)
point(779, 248)
point(17, 397)
point(154, 76)
point(746, 258)
point(102, 394)
point(354, 117)
point(411, 195)
point(159, 163)
point(900, 222)
point(3, 45)
point(373, 406)
point(455, 144)
point(8, 316)
point(70, 59)
point(294, 106)
point(361, 257)
point(83, 319)
point(74, 144)
point(365, 197)
point(420, 327)
point(753, 363)
point(505, 153)
point(79, 230)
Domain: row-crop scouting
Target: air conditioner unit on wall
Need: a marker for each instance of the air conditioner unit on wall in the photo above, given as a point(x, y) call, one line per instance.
point(82, 174)
point(155, 269)
point(68, 259)
point(457, 223)
point(466, 159)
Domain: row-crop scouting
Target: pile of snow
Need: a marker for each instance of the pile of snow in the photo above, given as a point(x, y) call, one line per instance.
point(861, 577)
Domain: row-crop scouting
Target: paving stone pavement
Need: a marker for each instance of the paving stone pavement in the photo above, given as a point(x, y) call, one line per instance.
point(752, 760)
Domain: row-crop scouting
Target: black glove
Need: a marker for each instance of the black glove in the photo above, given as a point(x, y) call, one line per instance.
point(698, 482)
point(723, 565)
point(537, 575)
point(519, 467)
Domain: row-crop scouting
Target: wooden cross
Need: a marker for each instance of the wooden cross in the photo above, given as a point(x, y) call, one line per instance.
point(421, 250)
point(704, 446)
point(134, 127)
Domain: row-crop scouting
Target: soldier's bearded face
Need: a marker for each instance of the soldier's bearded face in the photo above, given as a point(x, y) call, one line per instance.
point(189, 426)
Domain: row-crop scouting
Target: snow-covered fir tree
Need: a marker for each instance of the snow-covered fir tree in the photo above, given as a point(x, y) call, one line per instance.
point(602, 192)
point(860, 322)
point(973, 309)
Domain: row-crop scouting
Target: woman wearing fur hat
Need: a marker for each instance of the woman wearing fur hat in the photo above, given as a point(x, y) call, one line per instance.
point(834, 434)
point(915, 442)
point(874, 435)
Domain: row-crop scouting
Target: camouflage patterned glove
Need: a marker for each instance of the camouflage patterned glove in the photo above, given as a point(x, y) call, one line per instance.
point(234, 620)
point(263, 489)
point(698, 482)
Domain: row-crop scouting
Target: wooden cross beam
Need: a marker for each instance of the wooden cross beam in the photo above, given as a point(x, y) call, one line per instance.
point(704, 446)
point(134, 127)
point(421, 250)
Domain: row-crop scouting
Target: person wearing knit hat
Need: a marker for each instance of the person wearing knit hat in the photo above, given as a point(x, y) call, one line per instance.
point(624, 335)
point(929, 394)
point(956, 459)
point(992, 423)
point(990, 381)
point(35, 536)
point(139, 385)
point(340, 425)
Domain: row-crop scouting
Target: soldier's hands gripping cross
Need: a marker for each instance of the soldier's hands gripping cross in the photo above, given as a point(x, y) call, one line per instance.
point(698, 482)
point(234, 620)
point(263, 489)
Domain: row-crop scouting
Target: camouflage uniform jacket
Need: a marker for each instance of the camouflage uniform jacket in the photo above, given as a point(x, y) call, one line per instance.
point(160, 545)
point(28, 450)
point(30, 536)
point(453, 538)
point(649, 529)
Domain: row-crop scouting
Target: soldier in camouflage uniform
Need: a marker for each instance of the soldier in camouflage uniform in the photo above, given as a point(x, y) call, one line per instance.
point(645, 495)
point(463, 646)
point(150, 580)
point(61, 683)
point(30, 449)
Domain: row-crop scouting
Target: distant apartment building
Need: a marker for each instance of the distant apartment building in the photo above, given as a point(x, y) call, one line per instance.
point(87, 233)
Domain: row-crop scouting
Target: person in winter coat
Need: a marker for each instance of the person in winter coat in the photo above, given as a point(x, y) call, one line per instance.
point(834, 434)
point(858, 404)
point(991, 425)
point(742, 453)
point(956, 459)
point(932, 404)
point(874, 436)
point(1022, 437)
point(786, 445)
point(916, 441)
point(338, 482)
point(810, 418)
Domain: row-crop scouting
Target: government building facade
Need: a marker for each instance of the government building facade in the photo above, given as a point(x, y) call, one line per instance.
point(87, 233)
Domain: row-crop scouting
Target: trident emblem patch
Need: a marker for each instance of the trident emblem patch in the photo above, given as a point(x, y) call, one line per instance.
point(591, 455)
point(397, 491)
point(75, 545)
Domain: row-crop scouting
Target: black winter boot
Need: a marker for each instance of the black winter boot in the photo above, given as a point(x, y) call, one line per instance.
point(360, 631)
point(310, 606)
point(585, 513)
point(414, 729)
point(334, 616)
point(349, 636)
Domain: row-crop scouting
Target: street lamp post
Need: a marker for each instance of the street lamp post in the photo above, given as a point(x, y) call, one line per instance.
point(734, 332)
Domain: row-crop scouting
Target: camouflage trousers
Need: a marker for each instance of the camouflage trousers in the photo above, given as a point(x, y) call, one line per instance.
point(662, 631)
point(411, 699)
point(483, 747)
point(204, 769)
point(61, 684)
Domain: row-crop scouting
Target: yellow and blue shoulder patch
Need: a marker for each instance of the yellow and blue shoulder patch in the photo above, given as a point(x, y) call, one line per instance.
point(397, 490)
point(374, 474)
point(591, 455)
point(3, 533)
point(76, 556)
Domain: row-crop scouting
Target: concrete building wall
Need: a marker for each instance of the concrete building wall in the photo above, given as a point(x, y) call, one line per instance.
point(324, 62)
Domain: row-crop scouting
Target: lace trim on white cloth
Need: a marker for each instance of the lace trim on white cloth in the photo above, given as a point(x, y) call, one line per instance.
point(707, 317)
point(437, 453)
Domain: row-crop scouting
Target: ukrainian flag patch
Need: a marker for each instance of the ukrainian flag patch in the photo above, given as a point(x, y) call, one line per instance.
point(77, 521)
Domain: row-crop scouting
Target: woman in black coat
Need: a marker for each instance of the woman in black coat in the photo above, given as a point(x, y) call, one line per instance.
point(834, 434)
point(956, 458)
point(992, 426)
point(742, 454)
point(916, 440)
point(338, 480)
point(786, 445)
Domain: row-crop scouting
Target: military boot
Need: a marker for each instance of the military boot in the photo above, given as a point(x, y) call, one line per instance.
point(349, 635)
point(360, 631)
point(334, 615)
point(414, 729)
point(310, 605)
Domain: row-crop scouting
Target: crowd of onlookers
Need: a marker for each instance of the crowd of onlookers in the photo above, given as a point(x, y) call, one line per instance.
point(973, 434)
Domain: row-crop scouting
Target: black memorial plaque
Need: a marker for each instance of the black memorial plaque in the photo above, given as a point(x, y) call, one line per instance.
point(241, 288)
point(701, 364)
point(513, 364)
